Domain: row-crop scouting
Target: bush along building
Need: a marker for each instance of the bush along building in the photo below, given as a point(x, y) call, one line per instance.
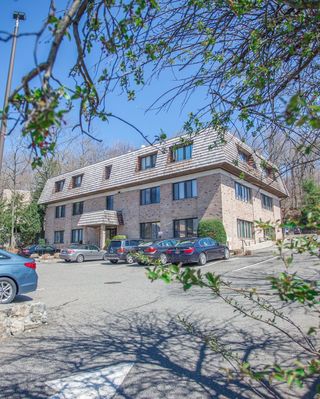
point(164, 191)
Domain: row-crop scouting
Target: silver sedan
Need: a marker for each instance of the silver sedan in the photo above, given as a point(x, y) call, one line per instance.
point(79, 253)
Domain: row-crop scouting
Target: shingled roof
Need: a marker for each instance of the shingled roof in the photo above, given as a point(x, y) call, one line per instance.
point(207, 153)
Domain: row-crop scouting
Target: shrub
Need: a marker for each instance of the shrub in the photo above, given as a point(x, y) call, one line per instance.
point(212, 228)
point(107, 243)
point(119, 237)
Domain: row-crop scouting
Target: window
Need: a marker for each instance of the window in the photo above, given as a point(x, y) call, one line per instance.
point(148, 161)
point(245, 229)
point(59, 185)
point(60, 211)
point(267, 202)
point(149, 230)
point(246, 158)
point(109, 202)
point(150, 196)
point(185, 189)
point(243, 193)
point(267, 171)
point(207, 242)
point(3, 257)
point(76, 181)
point(77, 208)
point(59, 237)
point(107, 172)
point(76, 236)
point(243, 156)
point(181, 153)
point(185, 228)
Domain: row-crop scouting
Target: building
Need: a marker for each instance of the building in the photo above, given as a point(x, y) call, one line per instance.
point(164, 191)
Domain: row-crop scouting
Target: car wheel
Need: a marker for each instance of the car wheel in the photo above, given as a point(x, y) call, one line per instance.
point(202, 259)
point(129, 259)
point(67, 260)
point(226, 253)
point(141, 263)
point(8, 290)
point(80, 258)
point(163, 259)
point(114, 261)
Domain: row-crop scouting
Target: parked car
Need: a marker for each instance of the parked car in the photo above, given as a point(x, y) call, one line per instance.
point(37, 249)
point(17, 276)
point(81, 252)
point(156, 249)
point(122, 250)
point(197, 250)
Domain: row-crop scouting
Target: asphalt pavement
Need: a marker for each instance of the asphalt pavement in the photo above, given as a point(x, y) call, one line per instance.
point(113, 331)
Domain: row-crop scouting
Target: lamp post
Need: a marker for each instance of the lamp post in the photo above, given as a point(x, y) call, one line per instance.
point(17, 16)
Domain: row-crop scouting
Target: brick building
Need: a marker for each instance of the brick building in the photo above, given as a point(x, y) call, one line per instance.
point(163, 191)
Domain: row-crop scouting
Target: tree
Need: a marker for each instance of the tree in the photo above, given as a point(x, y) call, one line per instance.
point(255, 62)
point(4, 223)
point(212, 228)
point(310, 212)
point(29, 224)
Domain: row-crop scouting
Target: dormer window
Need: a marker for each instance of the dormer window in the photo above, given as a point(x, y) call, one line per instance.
point(247, 158)
point(148, 161)
point(181, 153)
point(59, 185)
point(76, 181)
point(243, 156)
point(268, 172)
point(107, 172)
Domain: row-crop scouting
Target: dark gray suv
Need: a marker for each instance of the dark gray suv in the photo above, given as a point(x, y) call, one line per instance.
point(122, 250)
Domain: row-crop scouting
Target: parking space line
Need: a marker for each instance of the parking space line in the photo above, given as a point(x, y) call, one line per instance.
point(255, 264)
point(102, 383)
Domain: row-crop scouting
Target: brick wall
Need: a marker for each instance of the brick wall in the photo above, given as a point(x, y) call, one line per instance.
point(216, 199)
point(233, 209)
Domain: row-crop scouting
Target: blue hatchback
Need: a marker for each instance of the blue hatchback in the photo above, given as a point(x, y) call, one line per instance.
point(17, 276)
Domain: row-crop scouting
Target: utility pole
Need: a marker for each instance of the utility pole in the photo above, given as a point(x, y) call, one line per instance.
point(18, 16)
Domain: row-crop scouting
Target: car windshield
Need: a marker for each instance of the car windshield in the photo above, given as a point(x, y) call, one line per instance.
point(187, 243)
point(115, 244)
point(75, 246)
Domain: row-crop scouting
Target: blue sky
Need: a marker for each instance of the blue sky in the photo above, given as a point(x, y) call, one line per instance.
point(150, 123)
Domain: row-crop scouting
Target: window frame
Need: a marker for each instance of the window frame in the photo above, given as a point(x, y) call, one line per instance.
point(238, 194)
point(153, 161)
point(177, 230)
point(74, 179)
point(59, 185)
point(79, 234)
point(60, 233)
point(110, 201)
point(74, 206)
point(152, 236)
point(62, 213)
point(183, 186)
point(265, 205)
point(245, 226)
point(107, 172)
point(186, 149)
point(150, 196)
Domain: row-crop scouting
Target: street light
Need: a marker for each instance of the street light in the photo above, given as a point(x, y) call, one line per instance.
point(17, 16)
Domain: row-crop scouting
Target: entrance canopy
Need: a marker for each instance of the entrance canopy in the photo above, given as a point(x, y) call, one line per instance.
point(97, 218)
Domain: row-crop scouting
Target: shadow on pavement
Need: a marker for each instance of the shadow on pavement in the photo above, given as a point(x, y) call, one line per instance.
point(168, 361)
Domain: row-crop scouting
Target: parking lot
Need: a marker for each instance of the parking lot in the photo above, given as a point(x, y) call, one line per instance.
point(103, 315)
